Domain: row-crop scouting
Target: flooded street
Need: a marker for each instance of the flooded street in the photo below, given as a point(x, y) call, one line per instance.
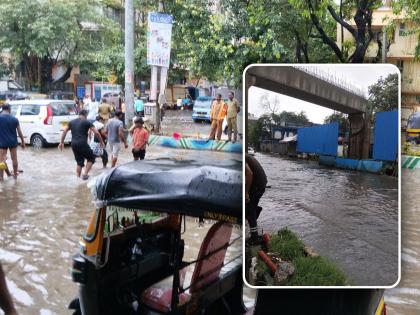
point(42, 216)
point(405, 299)
point(350, 218)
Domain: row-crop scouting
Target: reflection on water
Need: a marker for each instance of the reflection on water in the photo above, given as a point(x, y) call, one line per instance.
point(42, 216)
point(349, 217)
point(405, 299)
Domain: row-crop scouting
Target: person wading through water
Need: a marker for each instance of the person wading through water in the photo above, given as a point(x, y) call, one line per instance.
point(115, 132)
point(255, 183)
point(79, 128)
point(9, 125)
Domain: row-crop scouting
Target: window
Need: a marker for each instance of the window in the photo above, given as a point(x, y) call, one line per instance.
point(417, 98)
point(402, 29)
point(13, 110)
point(63, 109)
point(29, 110)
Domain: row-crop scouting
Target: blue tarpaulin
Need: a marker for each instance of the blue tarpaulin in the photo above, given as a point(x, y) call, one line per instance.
point(321, 140)
point(385, 145)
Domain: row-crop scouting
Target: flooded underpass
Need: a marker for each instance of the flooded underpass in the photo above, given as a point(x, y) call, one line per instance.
point(348, 217)
point(44, 212)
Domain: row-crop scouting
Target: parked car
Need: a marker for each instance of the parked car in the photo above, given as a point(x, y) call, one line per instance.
point(61, 95)
point(42, 121)
point(12, 95)
point(202, 109)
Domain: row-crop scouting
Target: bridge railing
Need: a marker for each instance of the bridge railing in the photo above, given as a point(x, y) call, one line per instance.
point(333, 79)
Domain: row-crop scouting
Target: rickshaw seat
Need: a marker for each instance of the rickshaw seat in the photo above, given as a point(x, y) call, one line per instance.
point(207, 270)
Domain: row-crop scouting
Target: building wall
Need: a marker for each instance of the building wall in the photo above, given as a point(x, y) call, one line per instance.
point(401, 53)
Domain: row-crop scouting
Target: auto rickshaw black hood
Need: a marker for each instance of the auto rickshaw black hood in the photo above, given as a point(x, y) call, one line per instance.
point(206, 188)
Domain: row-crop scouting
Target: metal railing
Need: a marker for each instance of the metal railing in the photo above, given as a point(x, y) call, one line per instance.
point(334, 79)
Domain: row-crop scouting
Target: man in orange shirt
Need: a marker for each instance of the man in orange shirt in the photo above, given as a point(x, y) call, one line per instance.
point(217, 114)
point(140, 139)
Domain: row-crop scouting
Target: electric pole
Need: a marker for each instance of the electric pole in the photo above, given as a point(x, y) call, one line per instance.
point(129, 62)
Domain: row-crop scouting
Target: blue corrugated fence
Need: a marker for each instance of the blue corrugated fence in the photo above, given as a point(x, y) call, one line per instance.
point(319, 139)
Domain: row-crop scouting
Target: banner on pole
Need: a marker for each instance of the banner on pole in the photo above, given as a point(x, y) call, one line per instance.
point(159, 33)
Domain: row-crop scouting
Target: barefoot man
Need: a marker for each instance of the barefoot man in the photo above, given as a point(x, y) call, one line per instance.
point(8, 139)
point(79, 128)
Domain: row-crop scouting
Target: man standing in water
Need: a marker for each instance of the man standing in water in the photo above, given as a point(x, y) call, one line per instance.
point(232, 114)
point(115, 132)
point(6, 303)
point(8, 140)
point(79, 128)
point(255, 183)
point(217, 108)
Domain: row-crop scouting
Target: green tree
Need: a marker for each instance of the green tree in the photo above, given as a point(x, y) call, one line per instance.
point(291, 117)
point(358, 10)
point(342, 120)
point(383, 95)
point(43, 34)
point(410, 9)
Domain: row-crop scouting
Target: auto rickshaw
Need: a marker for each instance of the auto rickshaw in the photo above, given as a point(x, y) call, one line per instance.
point(413, 128)
point(131, 256)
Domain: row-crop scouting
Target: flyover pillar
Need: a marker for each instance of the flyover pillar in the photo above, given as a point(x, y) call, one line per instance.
point(359, 137)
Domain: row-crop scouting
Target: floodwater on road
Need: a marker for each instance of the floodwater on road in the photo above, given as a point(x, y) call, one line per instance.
point(43, 213)
point(180, 121)
point(349, 217)
point(405, 298)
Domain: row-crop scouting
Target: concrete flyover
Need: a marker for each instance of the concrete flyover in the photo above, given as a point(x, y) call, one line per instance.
point(306, 86)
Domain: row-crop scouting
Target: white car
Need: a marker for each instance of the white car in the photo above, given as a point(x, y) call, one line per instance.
point(42, 121)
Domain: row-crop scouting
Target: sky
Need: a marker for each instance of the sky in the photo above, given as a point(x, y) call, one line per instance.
point(360, 76)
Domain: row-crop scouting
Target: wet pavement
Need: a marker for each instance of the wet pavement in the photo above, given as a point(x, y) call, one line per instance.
point(405, 298)
point(349, 217)
point(180, 121)
point(43, 213)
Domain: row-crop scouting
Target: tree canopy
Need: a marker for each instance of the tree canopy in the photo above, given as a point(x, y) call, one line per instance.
point(42, 33)
point(342, 119)
point(383, 95)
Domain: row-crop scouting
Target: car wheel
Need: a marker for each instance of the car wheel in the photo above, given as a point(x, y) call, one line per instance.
point(37, 141)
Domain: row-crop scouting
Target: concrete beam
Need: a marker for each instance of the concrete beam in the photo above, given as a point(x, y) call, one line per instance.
point(296, 83)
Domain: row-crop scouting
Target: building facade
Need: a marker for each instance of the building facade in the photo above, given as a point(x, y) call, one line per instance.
point(401, 51)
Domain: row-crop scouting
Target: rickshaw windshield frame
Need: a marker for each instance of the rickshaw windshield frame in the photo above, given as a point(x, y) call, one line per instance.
point(90, 238)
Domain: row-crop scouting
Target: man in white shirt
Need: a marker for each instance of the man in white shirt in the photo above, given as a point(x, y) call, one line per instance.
point(93, 108)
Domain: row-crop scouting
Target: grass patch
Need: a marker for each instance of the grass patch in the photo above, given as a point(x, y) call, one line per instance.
point(316, 271)
point(287, 245)
point(309, 271)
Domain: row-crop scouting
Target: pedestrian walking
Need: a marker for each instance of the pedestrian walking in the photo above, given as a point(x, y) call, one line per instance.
point(115, 132)
point(93, 108)
point(217, 108)
point(79, 128)
point(255, 183)
point(139, 107)
point(140, 139)
point(95, 144)
point(8, 139)
point(6, 302)
point(231, 116)
point(104, 111)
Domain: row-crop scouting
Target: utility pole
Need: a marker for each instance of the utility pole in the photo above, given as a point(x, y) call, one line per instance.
point(161, 96)
point(129, 62)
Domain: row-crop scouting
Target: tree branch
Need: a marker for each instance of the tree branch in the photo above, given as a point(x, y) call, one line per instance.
point(338, 19)
point(325, 38)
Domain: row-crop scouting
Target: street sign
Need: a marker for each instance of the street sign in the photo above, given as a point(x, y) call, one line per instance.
point(159, 33)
